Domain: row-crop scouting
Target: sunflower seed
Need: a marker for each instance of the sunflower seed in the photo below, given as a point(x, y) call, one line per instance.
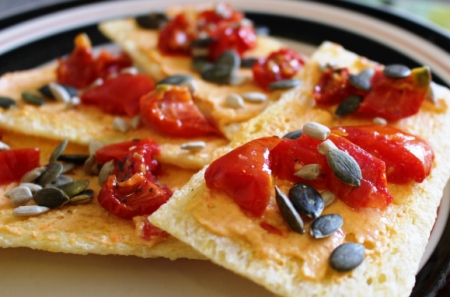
point(176, 79)
point(46, 92)
point(129, 70)
point(431, 94)
point(248, 62)
point(288, 212)
point(77, 159)
point(200, 63)
point(74, 188)
point(19, 195)
point(344, 167)
point(50, 197)
point(52, 171)
point(193, 145)
point(6, 102)
point(32, 98)
point(29, 210)
point(90, 167)
point(234, 101)
point(83, 197)
point(293, 134)
point(58, 151)
point(135, 122)
point(309, 172)
point(237, 80)
point(94, 146)
point(306, 200)
point(105, 172)
point(347, 256)
point(379, 121)
point(360, 82)
point(326, 225)
point(328, 197)
point(120, 124)
point(62, 179)
point(152, 21)
point(219, 74)
point(4, 146)
point(32, 175)
point(254, 97)
point(202, 42)
point(59, 92)
point(349, 105)
point(325, 146)
point(316, 130)
point(284, 84)
point(396, 71)
point(191, 85)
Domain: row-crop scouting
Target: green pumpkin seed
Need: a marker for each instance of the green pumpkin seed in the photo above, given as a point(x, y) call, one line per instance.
point(328, 197)
point(349, 105)
point(360, 82)
point(19, 195)
point(83, 197)
point(177, 79)
point(74, 188)
point(396, 71)
point(77, 159)
point(344, 167)
point(199, 63)
point(422, 76)
point(306, 200)
point(32, 98)
point(293, 134)
point(284, 84)
point(326, 225)
point(6, 102)
point(29, 210)
point(152, 21)
point(105, 171)
point(219, 74)
point(288, 212)
point(229, 58)
point(52, 171)
point(316, 130)
point(309, 172)
point(32, 175)
point(248, 62)
point(57, 152)
point(202, 42)
point(347, 257)
point(50, 197)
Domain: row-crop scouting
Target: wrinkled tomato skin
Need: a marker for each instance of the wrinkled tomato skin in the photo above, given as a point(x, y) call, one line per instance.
point(393, 98)
point(120, 95)
point(15, 163)
point(171, 111)
point(209, 20)
point(407, 157)
point(238, 38)
point(279, 65)
point(148, 231)
point(176, 36)
point(244, 175)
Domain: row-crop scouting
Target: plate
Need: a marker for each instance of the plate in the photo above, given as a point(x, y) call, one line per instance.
point(48, 33)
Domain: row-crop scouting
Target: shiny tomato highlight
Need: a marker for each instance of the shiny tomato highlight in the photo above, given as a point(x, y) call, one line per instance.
point(176, 36)
point(16, 162)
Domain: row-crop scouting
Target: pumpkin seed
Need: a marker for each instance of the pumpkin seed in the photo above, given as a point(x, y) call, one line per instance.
point(59, 92)
point(293, 134)
point(105, 171)
point(75, 187)
point(176, 79)
point(328, 197)
point(120, 124)
point(4, 146)
point(219, 74)
point(248, 62)
point(29, 210)
point(83, 197)
point(90, 167)
point(6, 102)
point(325, 146)
point(229, 58)
point(309, 172)
point(32, 98)
point(52, 171)
point(367, 73)
point(288, 212)
point(422, 76)
point(379, 121)
point(234, 101)
point(202, 42)
point(77, 159)
point(347, 256)
point(361, 82)
point(254, 97)
point(396, 71)
point(50, 197)
point(58, 151)
point(67, 167)
point(62, 179)
point(316, 130)
point(135, 122)
point(152, 21)
point(306, 200)
point(19, 195)
point(94, 146)
point(200, 63)
point(32, 175)
point(344, 167)
point(284, 84)
point(193, 145)
point(326, 225)
point(349, 105)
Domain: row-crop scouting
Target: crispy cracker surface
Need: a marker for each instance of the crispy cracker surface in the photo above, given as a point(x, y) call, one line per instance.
point(394, 239)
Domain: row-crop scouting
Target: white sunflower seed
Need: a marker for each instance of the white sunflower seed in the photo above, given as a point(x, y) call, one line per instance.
point(193, 145)
point(59, 92)
point(32, 175)
point(120, 124)
point(105, 171)
point(325, 146)
point(94, 146)
point(129, 70)
point(328, 197)
point(19, 195)
point(191, 85)
point(316, 130)
point(379, 121)
point(4, 146)
point(135, 122)
point(33, 187)
point(29, 210)
point(254, 97)
point(431, 94)
point(234, 101)
point(309, 172)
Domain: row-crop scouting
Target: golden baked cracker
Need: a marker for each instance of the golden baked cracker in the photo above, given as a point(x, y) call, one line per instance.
point(85, 228)
point(394, 239)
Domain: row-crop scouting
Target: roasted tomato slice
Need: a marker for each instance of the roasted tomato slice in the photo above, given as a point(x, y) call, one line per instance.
point(244, 174)
point(209, 20)
point(279, 65)
point(80, 68)
point(120, 95)
point(176, 36)
point(394, 98)
point(15, 163)
point(170, 110)
point(407, 157)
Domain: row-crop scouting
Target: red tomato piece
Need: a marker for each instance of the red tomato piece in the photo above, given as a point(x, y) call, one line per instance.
point(394, 98)
point(244, 174)
point(15, 163)
point(279, 65)
point(170, 110)
point(148, 231)
point(120, 95)
point(209, 20)
point(176, 36)
point(407, 157)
